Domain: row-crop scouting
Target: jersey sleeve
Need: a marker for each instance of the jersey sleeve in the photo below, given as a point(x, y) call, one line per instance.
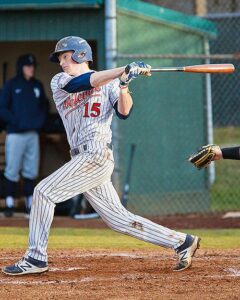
point(114, 91)
point(58, 82)
point(79, 83)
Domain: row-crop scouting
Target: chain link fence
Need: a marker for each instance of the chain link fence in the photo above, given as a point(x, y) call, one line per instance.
point(175, 113)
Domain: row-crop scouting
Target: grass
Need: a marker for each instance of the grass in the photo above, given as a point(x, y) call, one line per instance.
point(68, 238)
point(225, 192)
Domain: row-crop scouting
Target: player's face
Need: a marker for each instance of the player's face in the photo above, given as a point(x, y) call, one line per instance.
point(68, 65)
point(28, 71)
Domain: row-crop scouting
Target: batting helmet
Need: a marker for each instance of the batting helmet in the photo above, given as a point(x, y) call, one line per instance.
point(82, 50)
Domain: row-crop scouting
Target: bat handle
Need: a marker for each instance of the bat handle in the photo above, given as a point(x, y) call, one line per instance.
point(171, 69)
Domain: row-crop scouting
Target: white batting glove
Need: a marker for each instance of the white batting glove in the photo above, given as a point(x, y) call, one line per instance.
point(133, 70)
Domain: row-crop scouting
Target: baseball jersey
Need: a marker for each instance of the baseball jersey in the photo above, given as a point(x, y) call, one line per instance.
point(86, 115)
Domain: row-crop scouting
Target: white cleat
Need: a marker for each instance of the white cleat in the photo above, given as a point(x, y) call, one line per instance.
point(185, 255)
point(26, 266)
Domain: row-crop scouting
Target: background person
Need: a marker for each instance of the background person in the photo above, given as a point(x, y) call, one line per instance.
point(23, 107)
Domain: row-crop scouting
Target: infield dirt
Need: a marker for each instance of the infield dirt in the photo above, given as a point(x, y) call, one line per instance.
point(131, 275)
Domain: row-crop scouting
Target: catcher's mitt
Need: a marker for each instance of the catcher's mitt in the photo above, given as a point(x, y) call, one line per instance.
point(203, 157)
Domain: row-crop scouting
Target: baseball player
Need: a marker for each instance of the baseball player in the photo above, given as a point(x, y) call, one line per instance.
point(86, 101)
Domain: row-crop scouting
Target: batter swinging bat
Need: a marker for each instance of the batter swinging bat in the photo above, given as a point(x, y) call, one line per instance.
point(207, 68)
point(128, 177)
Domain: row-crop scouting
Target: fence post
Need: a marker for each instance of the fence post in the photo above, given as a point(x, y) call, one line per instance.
point(211, 168)
point(111, 62)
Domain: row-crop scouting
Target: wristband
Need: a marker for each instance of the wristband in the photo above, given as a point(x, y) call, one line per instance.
point(123, 84)
point(124, 89)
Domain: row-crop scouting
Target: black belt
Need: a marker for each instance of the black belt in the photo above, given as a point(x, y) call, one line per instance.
point(84, 148)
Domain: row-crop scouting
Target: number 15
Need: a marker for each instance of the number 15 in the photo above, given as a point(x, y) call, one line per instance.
point(94, 110)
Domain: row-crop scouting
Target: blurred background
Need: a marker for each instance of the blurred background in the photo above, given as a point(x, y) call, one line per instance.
point(174, 113)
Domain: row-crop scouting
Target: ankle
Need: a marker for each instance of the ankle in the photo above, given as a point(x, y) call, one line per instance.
point(36, 262)
point(187, 243)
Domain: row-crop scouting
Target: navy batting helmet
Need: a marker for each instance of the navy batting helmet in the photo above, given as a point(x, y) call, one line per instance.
point(82, 50)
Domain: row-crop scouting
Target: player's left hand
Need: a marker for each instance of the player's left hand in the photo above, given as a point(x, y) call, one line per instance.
point(205, 156)
point(133, 70)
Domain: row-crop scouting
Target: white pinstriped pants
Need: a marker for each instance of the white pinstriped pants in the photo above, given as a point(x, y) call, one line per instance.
point(90, 173)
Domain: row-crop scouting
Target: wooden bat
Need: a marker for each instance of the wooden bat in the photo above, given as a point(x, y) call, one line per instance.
point(207, 68)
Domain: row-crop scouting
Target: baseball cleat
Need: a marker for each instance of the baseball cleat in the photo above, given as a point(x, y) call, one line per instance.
point(26, 266)
point(186, 251)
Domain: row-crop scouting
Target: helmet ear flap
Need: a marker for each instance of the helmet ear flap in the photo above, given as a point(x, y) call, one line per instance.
point(82, 50)
point(82, 55)
point(78, 56)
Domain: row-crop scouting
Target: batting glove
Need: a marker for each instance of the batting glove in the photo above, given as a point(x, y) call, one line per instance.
point(133, 70)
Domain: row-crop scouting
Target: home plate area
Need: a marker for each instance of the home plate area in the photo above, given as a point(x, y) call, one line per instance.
point(118, 274)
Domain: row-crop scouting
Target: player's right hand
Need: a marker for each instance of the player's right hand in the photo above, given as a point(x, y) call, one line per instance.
point(133, 70)
point(144, 69)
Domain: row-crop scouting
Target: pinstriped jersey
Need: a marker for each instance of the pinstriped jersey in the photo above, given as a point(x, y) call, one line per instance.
point(86, 115)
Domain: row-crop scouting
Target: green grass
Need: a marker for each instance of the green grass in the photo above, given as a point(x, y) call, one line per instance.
point(225, 192)
point(68, 238)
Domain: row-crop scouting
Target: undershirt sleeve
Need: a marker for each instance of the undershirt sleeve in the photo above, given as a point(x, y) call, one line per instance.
point(79, 83)
point(231, 153)
point(120, 116)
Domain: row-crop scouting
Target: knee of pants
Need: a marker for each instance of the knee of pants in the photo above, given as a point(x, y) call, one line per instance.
point(117, 225)
point(39, 192)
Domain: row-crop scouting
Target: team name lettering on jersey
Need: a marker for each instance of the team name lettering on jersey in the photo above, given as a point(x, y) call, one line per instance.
point(86, 115)
point(78, 98)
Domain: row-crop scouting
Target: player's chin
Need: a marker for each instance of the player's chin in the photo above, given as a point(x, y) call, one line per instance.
point(66, 70)
point(70, 73)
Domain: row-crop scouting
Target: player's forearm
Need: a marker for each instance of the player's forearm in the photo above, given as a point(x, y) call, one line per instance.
point(103, 77)
point(231, 153)
point(124, 103)
point(227, 153)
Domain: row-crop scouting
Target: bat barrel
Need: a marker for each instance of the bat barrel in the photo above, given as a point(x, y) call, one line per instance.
point(210, 68)
point(207, 68)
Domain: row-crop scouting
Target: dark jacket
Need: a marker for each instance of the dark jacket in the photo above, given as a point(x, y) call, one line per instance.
point(23, 104)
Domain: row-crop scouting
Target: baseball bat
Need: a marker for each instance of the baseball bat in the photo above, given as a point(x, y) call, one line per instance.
point(126, 187)
point(207, 68)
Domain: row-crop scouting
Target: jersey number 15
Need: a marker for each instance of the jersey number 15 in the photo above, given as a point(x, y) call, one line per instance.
point(93, 111)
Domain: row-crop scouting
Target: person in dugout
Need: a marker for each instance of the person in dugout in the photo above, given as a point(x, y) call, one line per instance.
point(23, 108)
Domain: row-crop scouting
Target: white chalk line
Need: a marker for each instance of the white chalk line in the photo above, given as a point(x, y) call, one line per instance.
point(38, 282)
point(126, 255)
point(67, 270)
point(233, 272)
point(128, 277)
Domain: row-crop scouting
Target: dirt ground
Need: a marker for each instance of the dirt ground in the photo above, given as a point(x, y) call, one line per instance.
point(132, 275)
point(128, 275)
point(192, 221)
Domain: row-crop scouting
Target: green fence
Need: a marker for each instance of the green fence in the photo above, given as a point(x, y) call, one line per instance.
point(169, 119)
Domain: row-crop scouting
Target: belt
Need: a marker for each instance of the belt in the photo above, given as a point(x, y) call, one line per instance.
point(86, 147)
